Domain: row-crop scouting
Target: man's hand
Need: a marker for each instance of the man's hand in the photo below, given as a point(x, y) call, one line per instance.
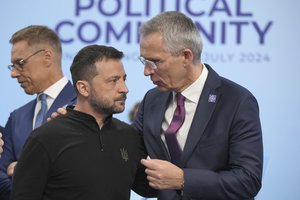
point(162, 174)
point(10, 168)
point(1, 144)
point(60, 111)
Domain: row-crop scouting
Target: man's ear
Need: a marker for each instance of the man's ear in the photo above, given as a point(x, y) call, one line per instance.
point(83, 88)
point(188, 56)
point(48, 57)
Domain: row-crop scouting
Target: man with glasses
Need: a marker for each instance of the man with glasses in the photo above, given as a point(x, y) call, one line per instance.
point(36, 64)
point(202, 131)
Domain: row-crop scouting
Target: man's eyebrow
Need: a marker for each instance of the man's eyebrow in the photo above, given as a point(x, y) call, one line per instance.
point(114, 76)
point(151, 58)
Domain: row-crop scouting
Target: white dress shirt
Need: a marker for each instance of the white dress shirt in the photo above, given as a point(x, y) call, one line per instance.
point(52, 92)
point(192, 95)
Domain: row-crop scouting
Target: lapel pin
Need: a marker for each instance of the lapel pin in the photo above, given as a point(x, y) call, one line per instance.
point(212, 98)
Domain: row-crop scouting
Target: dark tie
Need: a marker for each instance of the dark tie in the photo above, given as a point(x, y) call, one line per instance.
point(42, 112)
point(170, 134)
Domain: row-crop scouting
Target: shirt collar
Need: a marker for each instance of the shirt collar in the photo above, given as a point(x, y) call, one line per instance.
point(194, 91)
point(54, 90)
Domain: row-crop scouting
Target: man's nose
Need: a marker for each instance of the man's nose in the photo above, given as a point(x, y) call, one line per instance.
point(148, 70)
point(124, 88)
point(14, 73)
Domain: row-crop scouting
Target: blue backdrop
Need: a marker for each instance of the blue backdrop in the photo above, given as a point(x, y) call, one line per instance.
point(254, 43)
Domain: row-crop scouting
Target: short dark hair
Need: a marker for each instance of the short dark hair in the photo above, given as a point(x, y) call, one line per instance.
point(83, 66)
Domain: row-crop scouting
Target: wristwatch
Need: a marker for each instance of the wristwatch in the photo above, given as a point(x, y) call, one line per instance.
point(182, 185)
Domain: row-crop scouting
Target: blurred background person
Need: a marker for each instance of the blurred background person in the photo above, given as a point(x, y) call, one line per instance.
point(36, 64)
point(133, 111)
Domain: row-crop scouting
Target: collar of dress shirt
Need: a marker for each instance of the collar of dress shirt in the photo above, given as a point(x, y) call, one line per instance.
point(193, 92)
point(54, 90)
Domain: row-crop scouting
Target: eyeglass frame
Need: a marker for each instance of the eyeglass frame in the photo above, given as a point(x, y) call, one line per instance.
point(18, 65)
point(152, 64)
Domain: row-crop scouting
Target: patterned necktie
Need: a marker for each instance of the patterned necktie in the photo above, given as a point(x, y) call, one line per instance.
point(170, 134)
point(42, 112)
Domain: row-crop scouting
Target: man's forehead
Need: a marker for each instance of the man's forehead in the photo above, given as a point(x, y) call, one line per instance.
point(110, 66)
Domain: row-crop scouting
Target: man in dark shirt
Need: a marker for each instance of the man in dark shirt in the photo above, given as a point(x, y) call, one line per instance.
point(86, 154)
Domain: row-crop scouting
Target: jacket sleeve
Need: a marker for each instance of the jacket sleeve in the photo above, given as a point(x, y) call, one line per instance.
point(7, 157)
point(31, 172)
point(141, 184)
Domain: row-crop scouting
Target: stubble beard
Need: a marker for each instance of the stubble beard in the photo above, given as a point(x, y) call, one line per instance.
point(102, 106)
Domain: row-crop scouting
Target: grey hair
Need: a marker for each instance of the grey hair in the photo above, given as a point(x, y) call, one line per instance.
point(178, 32)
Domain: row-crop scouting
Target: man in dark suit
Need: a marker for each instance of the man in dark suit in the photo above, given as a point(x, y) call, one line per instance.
point(217, 153)
point(36, 64)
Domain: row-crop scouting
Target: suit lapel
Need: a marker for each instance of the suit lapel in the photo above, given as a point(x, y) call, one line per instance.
point(158, 109)
point(206, 105)
point(65, 97)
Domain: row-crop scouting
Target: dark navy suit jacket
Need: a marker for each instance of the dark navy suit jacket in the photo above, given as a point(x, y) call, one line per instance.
point(223, 154)
point(17, 130)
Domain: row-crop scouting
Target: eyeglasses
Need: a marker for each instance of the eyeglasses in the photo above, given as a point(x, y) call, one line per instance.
point(152, 64)
point(20, 63)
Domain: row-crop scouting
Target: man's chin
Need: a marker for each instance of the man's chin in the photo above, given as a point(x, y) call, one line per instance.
point(119, 109)
point(28, 92)
point(162, 89)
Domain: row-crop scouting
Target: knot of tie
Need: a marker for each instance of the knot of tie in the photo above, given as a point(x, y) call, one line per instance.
point(180, 99)
point(43, 97)
point(179, 114)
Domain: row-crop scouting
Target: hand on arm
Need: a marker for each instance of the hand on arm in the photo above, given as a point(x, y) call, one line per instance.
point(1, 144)
point(162, 174)
point(10, 168)
point(60, 111)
